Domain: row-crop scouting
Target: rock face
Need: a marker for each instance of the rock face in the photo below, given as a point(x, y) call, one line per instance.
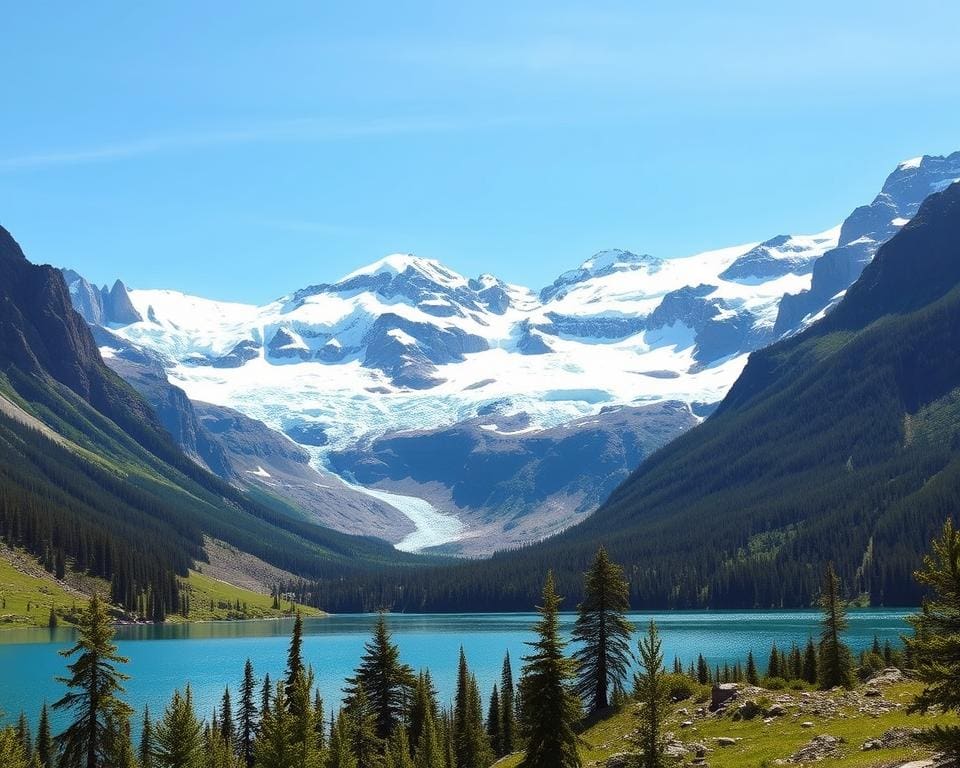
point(41, 334)
point(247, 453)
point(864, 231)
point(101, 306)
point(504, 476)
point(408, 343)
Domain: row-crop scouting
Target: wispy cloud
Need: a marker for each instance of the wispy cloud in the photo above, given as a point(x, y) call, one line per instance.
point(299, 130)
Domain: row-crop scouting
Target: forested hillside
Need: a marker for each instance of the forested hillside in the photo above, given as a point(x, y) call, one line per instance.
point(89, 480)
point(841, 444)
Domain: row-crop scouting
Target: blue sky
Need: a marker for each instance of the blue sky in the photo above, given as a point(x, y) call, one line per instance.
point(241, 150)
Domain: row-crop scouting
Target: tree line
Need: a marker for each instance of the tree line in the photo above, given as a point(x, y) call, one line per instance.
point(391, 717)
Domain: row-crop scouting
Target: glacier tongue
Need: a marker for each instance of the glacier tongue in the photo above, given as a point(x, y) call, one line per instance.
point(433, 526)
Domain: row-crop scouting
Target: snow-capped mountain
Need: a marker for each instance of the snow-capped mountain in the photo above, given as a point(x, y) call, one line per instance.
point(862, 234)
point(406, 343)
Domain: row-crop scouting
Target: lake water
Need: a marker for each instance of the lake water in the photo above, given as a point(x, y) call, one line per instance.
point(211, 656)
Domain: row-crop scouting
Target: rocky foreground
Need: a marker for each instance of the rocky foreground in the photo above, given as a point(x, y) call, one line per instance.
point(743, 725)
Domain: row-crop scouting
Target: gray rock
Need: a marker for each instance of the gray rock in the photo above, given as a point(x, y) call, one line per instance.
point(721, 693)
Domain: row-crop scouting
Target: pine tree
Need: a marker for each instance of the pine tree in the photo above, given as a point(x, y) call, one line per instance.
point(603, 631)
point(469, 738)
point(178, 735)
point(95, 685)
point(934, 647)
point(11, 750)
point(340, 755)
point(294, 657)
point(44, 750)
point(752, 677)
point(835, 662)
point(306, 748)
point(121, 747)
point(652, 696)
point(796, 663)
point(773, 663)
point(274, 746)
point(23, 733)
point(810, 673)
point(265, 694)
point(247, 715)
point(703, 671)
point(319, 724)
point(217, 752)
point(397, 754)
point(146, 740)
point(424, 705)
point(550, 708)
point(387, 682)
point(428, 750)
point(227, 728)
point(508, 710)
point(364, 742)
point(494, 721)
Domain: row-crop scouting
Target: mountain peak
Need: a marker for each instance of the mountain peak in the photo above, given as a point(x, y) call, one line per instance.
point(400, 263)
point(9, 248)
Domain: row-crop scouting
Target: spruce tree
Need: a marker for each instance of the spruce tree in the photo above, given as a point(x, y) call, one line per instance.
point(227, 727)
point(752, 677)
point(146, 740)
point(935, 646)
point(703, 671)
point(94, 697)
point(835, 662)
point(274, 747)
point(796, 663)
point(423, 707)
point(652, 696)
point(340, 754)
point(773, 662)
point(44, 750)
point(494, 721)
point(178, 735)
point(247, 715)
point(469, 738)
point(364, 742)
point(23, 733)
point(810, 674)
point(603, 631)
point(551, 708)
point(397, 754)
point(121, 747)
point(428, 750)
point(508, 710)
point(319, 724)
point(217, 752)
point(294, 657)
point(306, 746)
point(265, 694)
point(11, 750)
point(387, 682)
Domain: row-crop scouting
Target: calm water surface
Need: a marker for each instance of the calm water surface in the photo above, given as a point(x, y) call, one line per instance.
point(211, 656)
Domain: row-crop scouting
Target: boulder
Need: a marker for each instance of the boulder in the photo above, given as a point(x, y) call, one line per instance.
point(722, 693)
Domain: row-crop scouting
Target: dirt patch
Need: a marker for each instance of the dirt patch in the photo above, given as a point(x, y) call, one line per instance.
point(240, 569)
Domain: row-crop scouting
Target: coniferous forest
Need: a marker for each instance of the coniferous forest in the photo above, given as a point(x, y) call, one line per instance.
point(391, 716)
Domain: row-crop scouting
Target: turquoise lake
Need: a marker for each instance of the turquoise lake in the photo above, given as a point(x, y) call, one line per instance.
point(211, 656)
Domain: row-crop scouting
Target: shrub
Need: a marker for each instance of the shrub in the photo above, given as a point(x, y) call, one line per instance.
point(773, 683)
point(680, 687)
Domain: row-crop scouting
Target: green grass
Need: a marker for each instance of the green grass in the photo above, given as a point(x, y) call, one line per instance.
point(213, 600)
point(28, 597)
point(760, 744)
point(25, 599)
